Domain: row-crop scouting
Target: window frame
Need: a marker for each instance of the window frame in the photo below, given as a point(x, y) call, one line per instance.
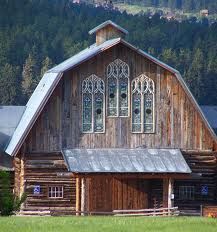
point(60, 190)
point(118, 91)
point(185, 194)
point(93, 94)
point(142, 78)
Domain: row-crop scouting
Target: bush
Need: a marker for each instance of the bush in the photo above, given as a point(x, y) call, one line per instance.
point(9, 203)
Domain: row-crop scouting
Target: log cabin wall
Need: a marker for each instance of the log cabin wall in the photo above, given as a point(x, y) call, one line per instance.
point(203, 166)
point(46, 170)
point(178, 124)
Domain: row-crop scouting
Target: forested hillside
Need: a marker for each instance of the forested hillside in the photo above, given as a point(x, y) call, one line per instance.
point(36, 34)
point(185, 5)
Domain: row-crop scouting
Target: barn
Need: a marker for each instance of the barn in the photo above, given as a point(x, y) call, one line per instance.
point(113, 128)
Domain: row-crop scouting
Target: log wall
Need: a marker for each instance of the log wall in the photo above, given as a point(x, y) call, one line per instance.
point(46, 170)
point(203, 166)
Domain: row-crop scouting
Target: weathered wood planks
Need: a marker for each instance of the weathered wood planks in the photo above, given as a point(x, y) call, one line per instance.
point(178, 124)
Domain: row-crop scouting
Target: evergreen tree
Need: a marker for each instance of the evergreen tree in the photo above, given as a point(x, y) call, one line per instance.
point(29, 76)
point(46, 65)
point(195, 75)
point(9, 84)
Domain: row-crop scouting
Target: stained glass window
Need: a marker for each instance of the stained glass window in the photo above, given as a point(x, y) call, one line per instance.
point(93, 90)
point(143, 90)
point(118, 86)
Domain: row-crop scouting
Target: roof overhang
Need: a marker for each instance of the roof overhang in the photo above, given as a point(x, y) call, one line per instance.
point(157, 161)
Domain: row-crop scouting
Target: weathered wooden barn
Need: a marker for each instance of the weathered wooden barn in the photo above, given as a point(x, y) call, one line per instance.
point(113, 128)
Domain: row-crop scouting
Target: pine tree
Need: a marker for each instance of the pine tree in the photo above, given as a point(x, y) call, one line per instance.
point(9, 84)
point(195, 75)
point(28, 76)
point(46, 64)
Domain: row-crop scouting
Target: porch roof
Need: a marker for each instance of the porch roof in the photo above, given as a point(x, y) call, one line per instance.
point(126, 161)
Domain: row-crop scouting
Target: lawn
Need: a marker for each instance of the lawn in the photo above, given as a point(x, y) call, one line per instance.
point(107, 224)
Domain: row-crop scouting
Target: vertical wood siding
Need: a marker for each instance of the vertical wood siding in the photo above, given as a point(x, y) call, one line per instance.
point(178, 124)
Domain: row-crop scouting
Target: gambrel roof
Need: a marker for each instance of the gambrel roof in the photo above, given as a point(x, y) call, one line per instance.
point(52, 77)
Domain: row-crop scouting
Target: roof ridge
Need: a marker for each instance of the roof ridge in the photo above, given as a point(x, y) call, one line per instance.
point(106, 23)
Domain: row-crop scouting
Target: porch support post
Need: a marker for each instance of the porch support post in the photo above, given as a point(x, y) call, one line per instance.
point(84, 195)
point(170, 192)
point(22, 174)
point(167, 192)
point(78, 195)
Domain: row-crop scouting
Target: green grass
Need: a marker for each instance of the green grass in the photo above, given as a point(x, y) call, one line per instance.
point(107, 224)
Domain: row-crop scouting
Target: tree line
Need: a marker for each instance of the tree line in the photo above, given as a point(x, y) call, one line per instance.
point(37, 34)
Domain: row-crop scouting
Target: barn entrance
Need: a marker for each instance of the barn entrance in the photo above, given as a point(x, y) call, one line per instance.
point(118, 179)
point(105, 193)
point(109, 193)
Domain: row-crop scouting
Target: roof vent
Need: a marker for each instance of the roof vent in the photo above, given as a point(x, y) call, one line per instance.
point(106, 31)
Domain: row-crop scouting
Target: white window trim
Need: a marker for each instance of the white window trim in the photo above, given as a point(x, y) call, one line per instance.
point(142, 78)
point(53, 191)
point(118, 61)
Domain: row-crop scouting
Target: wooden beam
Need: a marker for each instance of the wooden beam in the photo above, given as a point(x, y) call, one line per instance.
point(83, 195)
point(134, 175)
point(165, 193)
point(78, 192)
point(22, 174)
point(170, 192)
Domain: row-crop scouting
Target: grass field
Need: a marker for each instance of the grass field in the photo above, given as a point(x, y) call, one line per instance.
point(107, 224)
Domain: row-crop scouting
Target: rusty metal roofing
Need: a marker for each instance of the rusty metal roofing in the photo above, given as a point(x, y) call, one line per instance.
point(106, 23)
point(125, 161)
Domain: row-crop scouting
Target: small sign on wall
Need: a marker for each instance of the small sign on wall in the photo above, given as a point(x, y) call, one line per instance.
point(37, 189)
point(204, 190)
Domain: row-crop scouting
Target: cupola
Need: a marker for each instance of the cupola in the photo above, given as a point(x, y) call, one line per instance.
point(108, 30)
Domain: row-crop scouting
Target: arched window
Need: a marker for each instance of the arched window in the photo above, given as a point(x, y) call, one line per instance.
point(93, 104)
point(143, 90)
point(118, 89)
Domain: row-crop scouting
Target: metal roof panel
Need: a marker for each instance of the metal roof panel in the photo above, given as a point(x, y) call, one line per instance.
point(126, 161)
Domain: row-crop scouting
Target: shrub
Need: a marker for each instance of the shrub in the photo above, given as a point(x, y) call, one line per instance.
point(9, 203)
